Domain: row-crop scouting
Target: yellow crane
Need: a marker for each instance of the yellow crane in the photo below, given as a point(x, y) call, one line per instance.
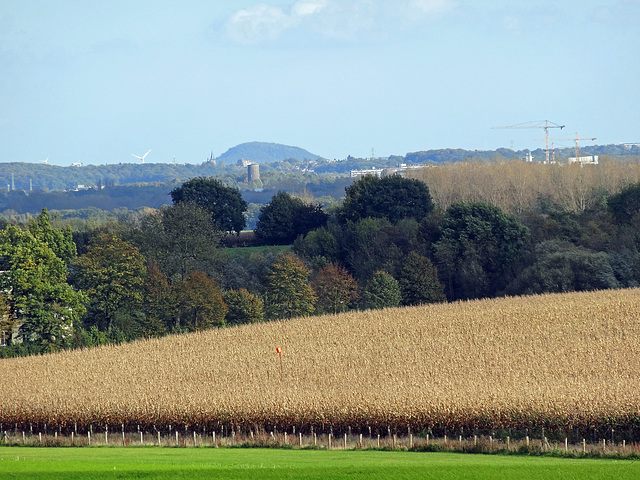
point(546, 125)
point(576, 139)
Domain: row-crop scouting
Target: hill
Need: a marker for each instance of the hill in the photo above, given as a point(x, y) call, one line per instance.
point(554, 361)
point(263, 152)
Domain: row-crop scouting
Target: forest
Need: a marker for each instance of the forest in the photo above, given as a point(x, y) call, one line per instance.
point(463, 230)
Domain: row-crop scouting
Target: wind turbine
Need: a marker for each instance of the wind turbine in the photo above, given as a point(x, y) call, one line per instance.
point(142, 157)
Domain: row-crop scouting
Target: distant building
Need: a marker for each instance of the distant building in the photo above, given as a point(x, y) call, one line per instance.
point(382, 172)
point(588, 160)
point(372, 171)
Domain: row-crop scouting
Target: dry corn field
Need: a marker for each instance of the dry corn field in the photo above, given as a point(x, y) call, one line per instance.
point(552, 361)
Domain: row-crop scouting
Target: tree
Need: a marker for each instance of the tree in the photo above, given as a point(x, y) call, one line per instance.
point(225, 204)
point(372, 244)
point(335, 288)
point(418, 281)
point(286, 217)
point(243, 307)
point(158, 304)
point(319, 246)
point(479, 250)
point(382, 291)
point(564, 267)
point(7, 321)
point(288, 291)
point(179, 239)
point(60, 241)
point(392, 197)
point(625, 205)
point(200, 303)
point(113, 273)
point(45, 305)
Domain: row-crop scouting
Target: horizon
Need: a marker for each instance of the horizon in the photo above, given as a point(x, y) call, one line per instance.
point(100, 83)
point(320, 157)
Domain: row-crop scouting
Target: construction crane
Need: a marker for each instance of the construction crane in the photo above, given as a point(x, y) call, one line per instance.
point(546, 125)
point(576, 139)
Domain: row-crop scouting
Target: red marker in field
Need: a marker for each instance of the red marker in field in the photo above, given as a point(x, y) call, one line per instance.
point(279, 352)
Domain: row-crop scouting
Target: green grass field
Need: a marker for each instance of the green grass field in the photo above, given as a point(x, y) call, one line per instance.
point(196, 463)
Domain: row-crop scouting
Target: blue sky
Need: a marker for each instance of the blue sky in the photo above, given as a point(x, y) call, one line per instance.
point(95, 81)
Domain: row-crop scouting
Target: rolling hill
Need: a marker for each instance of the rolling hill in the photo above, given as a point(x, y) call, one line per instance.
point(264, 152)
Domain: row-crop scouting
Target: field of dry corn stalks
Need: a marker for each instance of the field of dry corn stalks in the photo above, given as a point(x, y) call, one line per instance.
point(567, 361)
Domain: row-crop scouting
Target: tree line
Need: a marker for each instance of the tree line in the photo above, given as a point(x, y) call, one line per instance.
point(392, 241)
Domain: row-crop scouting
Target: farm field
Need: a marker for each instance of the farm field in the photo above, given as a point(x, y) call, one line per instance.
point(564, 362)
point(195, 463)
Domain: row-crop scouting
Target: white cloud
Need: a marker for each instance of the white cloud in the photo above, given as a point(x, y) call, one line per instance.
point(333, 19)
point(304, 8)
point(257, 23)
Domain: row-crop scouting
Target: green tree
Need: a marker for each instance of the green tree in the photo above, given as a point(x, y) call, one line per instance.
point(225, 204)
point(372, 244)
point(418, 280)
point(335, 288)
point(285, 217)
point(479, 250)
point(243, 307)
point(60, 241)
point(113, 274)
point(392, 197)
point(319, 246)
point(288, 291)
point(382, 291)
point(625, 205)
point(200, 303)
point(158, 303)
point(564, 267)
point(45, 305)
point(7, 321)
point(179, 239)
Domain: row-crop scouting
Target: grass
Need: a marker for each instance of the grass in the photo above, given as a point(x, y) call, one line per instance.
point(233, 252)
point(195, 463)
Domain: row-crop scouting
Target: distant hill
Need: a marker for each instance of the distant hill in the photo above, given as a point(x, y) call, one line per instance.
point(264, 152)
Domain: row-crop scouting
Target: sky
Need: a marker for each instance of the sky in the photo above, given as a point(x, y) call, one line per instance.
point(97, 81)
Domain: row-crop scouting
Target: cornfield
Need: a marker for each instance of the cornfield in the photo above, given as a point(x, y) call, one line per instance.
point(568, 361)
